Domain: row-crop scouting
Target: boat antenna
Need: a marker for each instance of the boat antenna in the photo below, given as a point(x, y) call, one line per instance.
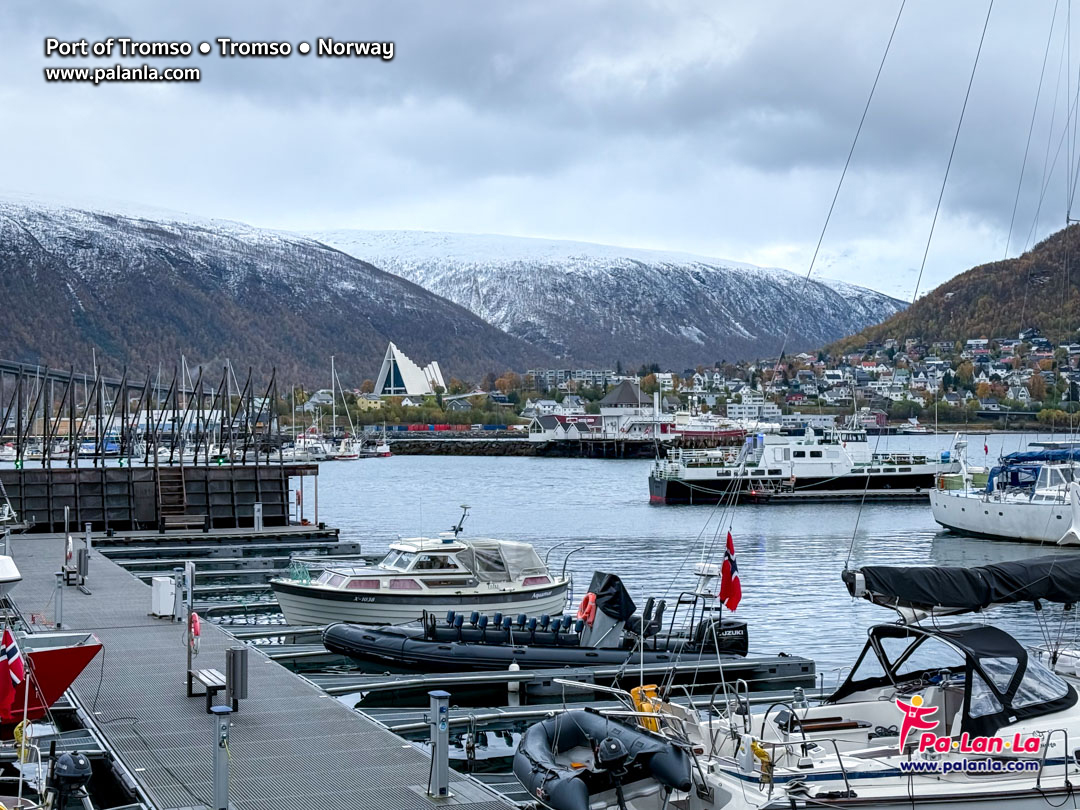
point(460, 524)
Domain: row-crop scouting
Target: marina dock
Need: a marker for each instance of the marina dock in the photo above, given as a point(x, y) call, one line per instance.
point(291, 744)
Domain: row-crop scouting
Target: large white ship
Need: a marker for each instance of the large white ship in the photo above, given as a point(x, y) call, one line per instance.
point(831, 464)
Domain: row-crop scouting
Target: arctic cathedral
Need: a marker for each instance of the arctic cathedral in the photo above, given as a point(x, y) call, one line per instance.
point(401, 377)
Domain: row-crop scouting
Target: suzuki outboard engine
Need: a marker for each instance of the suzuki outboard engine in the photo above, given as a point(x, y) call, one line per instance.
point(727, 636)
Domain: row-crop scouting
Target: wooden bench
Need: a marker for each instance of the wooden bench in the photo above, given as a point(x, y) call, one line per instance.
point(184, 522)
point(213, 681)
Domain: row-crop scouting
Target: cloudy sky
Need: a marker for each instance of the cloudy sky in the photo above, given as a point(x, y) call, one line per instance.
point(709, 127)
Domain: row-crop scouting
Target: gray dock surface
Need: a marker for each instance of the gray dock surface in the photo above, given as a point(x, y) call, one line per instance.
point(291, 744)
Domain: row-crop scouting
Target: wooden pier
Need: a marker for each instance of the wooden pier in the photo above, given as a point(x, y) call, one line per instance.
point(291, 744)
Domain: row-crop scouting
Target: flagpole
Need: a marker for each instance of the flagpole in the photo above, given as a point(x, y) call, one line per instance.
point(27, 675)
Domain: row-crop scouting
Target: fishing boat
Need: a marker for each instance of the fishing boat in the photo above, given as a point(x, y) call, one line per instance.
point(347, 450)
point(606, 631)
point(377, 448)
point(833, 464)
point(943, 715)
point(422, 575)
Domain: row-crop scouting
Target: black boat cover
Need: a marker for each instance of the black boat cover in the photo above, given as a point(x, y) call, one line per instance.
point(611, 596)
point(1053, 578)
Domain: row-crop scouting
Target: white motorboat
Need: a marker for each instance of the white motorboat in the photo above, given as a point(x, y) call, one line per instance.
point(425, 575)
point(1025, 496)
point(947, 716)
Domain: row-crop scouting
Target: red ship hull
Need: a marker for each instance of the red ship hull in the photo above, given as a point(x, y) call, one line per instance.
point(55, 661)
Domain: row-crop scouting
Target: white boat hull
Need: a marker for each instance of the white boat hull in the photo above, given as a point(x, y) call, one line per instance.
point(1030, 521)
point(312, 609)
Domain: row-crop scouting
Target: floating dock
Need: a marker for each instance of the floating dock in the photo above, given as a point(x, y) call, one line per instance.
point(291, 744)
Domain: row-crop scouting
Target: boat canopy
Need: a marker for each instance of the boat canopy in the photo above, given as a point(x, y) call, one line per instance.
point(1001, 683)
point(1016, 476)
point(501, 560)
point(1051, 578)
point(1050, 455)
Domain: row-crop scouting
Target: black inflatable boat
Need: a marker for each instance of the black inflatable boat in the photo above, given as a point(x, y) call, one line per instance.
point(568, 760)
point(606, 632)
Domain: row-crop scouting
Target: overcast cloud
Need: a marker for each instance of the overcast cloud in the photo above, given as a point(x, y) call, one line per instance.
point(713, 128)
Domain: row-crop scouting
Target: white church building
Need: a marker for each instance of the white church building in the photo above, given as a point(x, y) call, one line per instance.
point(401, 377)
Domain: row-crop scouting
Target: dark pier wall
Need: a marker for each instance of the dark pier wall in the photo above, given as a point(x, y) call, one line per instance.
point(125, 498)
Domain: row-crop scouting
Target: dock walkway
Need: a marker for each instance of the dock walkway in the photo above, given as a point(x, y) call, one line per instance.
point(291, 744)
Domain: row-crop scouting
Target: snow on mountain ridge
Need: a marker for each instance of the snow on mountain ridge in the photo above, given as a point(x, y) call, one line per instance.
point(601, 302)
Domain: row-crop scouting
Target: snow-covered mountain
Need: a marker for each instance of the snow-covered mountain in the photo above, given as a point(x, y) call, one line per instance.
point(598, 303)
point(142, 288)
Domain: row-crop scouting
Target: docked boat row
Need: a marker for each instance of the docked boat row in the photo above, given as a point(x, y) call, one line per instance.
point(944, 715)
point(833, 463)
point(606, 630)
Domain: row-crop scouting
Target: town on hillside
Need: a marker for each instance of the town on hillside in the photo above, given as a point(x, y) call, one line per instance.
point(1006, 382)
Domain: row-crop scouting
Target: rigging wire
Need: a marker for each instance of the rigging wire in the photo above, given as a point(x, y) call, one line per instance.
point(1031, 128)
point(929, 239)
point(952, 150)
point(843, 175)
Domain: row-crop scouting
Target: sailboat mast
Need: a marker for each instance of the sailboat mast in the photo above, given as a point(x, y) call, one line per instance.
point(333, 399)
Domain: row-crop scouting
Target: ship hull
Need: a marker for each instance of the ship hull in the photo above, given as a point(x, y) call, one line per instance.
point(1028, 522)
point(901, 486)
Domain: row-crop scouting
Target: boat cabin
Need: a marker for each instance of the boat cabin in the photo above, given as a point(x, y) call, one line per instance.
point(424, 562)
point(978, 677)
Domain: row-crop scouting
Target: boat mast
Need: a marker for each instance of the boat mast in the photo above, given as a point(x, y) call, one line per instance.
point(333, 400)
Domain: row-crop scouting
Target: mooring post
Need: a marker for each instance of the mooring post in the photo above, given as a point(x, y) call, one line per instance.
point(59, 597)
point(220, 723)
point(439, 720)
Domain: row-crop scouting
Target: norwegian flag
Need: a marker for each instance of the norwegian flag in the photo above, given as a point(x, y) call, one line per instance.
point(13, 657)
point(10, 662)
point(730, 587)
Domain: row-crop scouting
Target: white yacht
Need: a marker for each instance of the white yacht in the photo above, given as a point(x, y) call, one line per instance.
point(955, 715)
point(426, 575)
point(1025, 496)
point(828, 464)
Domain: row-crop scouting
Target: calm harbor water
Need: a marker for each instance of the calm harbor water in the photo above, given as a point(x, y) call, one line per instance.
point(790, 556)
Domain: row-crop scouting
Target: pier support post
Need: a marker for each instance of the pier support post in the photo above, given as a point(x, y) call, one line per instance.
point(220, 720)
point(59, 597)
point(439, 719)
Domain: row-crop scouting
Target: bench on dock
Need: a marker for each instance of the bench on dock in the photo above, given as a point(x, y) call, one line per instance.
point(184, 522)
point(213, 681)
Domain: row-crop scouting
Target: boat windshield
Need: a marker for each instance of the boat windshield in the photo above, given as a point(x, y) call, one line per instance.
point(398, 560)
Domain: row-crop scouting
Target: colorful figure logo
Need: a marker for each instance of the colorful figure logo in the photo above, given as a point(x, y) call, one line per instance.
point(915, 717)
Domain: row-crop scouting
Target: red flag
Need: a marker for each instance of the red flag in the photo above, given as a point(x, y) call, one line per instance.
point(986, 448)
point(730, 587)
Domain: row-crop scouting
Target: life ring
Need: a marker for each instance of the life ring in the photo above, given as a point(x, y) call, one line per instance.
point(194, 632)
point(587, 609)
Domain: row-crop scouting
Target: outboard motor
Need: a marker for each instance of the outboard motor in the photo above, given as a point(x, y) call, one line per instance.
point(605, 609)
point(68, 777)
point(731, 635)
